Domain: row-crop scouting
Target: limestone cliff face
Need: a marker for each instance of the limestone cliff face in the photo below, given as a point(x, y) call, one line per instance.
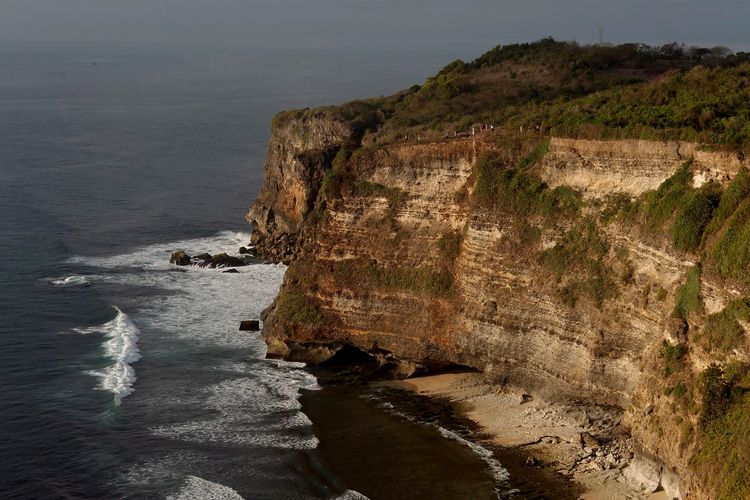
point(403, 263)
point(298, 152)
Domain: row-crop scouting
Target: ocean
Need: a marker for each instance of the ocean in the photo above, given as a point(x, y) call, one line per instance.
point(123, 376)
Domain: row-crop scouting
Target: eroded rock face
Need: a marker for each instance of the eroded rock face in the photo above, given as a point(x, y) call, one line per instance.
point(502, 312)
point(298, 152)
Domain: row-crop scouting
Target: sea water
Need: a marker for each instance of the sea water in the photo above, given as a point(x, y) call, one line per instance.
point(123, 376)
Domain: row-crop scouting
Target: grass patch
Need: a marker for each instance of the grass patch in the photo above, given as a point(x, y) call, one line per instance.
point(395, 196)
point(688, 298)
point(520, 192)
point(722, 330)
point(722, 458)
point(731, 254)
point(695, 213)
point(449, 244)
point(359, 273)
point(580, 253)
point(536, 155)
point(296, 307)
point(659, 206)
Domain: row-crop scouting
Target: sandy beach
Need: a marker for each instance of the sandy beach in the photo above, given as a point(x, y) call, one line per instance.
point(582, 442)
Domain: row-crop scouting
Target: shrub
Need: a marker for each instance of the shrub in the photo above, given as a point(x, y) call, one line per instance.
point(694, 215)
point(722, 330)
point(521, 192)
point(450, 244)
point(732, 250)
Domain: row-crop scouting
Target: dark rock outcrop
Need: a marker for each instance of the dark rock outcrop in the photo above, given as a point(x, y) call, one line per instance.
point(180, 258)
point(250, 325)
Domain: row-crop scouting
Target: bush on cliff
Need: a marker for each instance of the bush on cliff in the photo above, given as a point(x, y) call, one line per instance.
point(722, 458)
point(723, 331)
point(579, 256)
point(521, 192)
point(688, 298)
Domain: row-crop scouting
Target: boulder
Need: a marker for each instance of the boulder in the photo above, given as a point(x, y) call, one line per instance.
point(589, 441)
point(250, 325)
point(231, 271)
point(643, 475)
point(180, 258)
point(217, 261)
point(202, 260)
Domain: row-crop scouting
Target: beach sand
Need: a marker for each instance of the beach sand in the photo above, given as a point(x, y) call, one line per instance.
point(583, 442)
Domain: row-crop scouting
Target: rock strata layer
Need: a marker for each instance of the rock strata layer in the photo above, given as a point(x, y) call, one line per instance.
point(405, 266)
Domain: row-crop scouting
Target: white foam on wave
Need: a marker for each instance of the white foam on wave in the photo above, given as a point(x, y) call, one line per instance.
point(197, 488)
point(351, 495)
point(71, 281)
point(121, 348)
point(261, 410)
point(156, 256)
point(498, 471)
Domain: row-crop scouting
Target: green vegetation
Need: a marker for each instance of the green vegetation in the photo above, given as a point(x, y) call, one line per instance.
point(732, 250)
point(694, 215)
point(394, 196)
point(723, 452)
point(521, 192)
point(366, 274)
point(673, 357)
point(737, 191)
point(449, 244)
point(660, 206)
point(296, 307)
point(688, 210)
point(580, 254)
point(688, 297)
point(722, 330)
point(536, 155)
point(295, 304)
point(565, 89)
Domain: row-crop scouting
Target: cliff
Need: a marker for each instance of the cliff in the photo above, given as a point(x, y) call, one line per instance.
point(606, 271)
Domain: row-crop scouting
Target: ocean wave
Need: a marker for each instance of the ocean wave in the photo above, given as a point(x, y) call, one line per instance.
point(351, 495)
point(121, 348)
point(71, 281)
point(156, 256)
point(266, 402)
point(196, 488)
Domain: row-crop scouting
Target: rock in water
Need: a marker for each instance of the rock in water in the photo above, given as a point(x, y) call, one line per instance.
point(202, 260)
point(180, 258)
point(224, 260)
point(231, 271)
point(251, 325)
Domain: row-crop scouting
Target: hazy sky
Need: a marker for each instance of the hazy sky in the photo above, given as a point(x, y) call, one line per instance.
point(295, 23)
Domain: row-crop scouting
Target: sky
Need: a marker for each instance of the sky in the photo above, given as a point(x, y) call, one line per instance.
point(397, 23)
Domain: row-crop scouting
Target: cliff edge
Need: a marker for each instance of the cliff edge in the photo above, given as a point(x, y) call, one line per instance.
point(611, 271)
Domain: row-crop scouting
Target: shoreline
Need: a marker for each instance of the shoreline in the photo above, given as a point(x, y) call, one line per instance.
point(581, 442)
